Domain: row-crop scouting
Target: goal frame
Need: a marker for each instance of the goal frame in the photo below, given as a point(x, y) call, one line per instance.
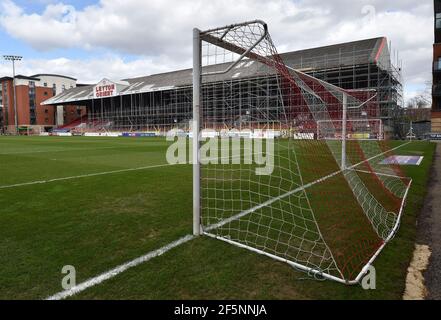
point(197, 92)
point(198, 228)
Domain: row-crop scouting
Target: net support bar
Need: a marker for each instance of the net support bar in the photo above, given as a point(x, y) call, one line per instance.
point(291, 263)
point(320, 273)
point(344, 125)
point(393, 233)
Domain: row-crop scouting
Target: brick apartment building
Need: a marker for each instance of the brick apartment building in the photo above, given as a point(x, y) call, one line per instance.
point(31, 92)
point(436, 91)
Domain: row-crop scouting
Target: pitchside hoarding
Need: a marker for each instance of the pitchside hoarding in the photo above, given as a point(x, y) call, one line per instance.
point(434, 136)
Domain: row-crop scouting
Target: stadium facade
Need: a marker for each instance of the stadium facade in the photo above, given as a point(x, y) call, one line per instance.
point(164, 101)
point(30, 92)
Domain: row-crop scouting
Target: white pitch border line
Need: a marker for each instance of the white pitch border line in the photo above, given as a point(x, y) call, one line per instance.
point(116, 271)
point(83, 176)
point(62, 150)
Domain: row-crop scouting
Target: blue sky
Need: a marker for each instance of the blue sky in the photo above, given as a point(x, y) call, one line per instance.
point(38, 6)
point(126, 38)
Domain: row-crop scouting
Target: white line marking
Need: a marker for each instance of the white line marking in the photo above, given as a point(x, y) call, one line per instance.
point(65, 150)
point(116, 271)
point(82, 176)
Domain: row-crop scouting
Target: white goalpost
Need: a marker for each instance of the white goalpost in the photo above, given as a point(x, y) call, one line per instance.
point(306, 184)
point(197, 74)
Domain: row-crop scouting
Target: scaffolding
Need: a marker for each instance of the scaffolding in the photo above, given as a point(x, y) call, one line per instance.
point(326, 204)
point(351, 68)
point(163, 102)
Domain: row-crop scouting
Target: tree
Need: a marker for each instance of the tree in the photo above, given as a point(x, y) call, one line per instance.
point(419, 102)
point(422, 99)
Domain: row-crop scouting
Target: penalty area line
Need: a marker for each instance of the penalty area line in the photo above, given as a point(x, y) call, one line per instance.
point(116, 271)
point(83, 176)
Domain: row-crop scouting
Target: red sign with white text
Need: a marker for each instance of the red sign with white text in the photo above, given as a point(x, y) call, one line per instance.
point(105, 90)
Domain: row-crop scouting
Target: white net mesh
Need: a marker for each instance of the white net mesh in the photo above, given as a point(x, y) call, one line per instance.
point(275, 179)
point(356, 129)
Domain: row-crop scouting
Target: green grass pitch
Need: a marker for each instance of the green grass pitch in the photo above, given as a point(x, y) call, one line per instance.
point(73, 201)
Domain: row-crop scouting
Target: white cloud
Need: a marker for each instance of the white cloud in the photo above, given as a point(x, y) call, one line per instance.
point(159, 31)
point(92, 70)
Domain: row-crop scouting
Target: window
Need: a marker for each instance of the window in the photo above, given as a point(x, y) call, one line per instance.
point(45, 93)
point(438, 21)
point(45, 84)
point(46, 111)
point(63, 87)
point(438, 64)
point(5, 94)
point(54, 89)
point(31, 94)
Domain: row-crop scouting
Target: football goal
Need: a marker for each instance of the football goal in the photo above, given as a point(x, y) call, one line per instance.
point(288, 166)
point(356, 129)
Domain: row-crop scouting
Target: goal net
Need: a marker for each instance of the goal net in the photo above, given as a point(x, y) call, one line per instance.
point(356, 129)
point(279, 173)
